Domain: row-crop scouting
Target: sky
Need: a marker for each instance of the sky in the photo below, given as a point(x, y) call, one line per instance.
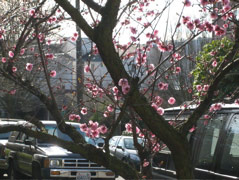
point(68, 28)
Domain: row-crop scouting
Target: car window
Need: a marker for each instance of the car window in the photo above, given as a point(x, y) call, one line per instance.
point(129, 143)
point(230, 154)
point(4, 135)
point(53, 130)
point(209, 137)
point(113, 140)
point(121, 143)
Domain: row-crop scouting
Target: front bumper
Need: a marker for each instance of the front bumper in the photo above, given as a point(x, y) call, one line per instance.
point(72, 173)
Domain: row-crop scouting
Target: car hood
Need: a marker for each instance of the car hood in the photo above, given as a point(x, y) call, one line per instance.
point(53, 150)
point(3, 142)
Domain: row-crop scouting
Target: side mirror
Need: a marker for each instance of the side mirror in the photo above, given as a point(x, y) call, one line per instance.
point(29, 142)
point(120, 147)
point(100, 144)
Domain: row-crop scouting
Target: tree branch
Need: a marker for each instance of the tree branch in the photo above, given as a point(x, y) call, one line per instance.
point(93, 5)
point(77, 17)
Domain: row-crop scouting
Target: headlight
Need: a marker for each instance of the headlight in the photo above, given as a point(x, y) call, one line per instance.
point(55, 163)
point(134, 157)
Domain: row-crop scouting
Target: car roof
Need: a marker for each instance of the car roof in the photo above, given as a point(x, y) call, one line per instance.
point(192, 107)
point(54, 122)
point(11, 120)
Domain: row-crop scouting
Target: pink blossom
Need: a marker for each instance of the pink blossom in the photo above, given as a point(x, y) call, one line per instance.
point(146, 163)
point(84, 110)
point(150, 69)
point(88, 132)
point(192, 129)
point(190, 25)
point(103, 129)
point(53, 73)
point(48, 42)
point(214, 63)
point(178, 70)
point(137, 130)
point(227, 8)
point(125, 89)
point(199, 88)
point(75, 34)
point(72, 117)
point(190, 90)
point(186, 19)
point(83, 127)
point(236, 101)
point(160, 111)
point(206, 116)
point(50, 56)
point(73, 39)
point(204, 2)
point(213, 15)
point(123, 82)
point(32, 12)
point(10, 54)
point(128, 127)
point(133, 30)
point(4, 59)
point(110, 108)
point(162, 86)
point(115, 90)
point(29, 66)
point(12, 92)
point(106, 114)
point(133, 38)
point(154, 106)
point(87, 69)
point(158, 100)
point(95, 133)
point(77, 117)
point(171, 100)
point(22, 52)
point(177, 56)
point(187, 3)
point(205, 87)
point(94, 125)
point(14, 69)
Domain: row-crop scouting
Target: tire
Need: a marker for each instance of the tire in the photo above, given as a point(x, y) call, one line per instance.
point(1, 175)
point(12, 172)
point(36, 171)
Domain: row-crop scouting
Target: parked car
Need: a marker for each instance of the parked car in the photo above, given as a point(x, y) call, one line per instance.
point(3, 140)
point(215, 145)
point(43, 160)
point(123, 148)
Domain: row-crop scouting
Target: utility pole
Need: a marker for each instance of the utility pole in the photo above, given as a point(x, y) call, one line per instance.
point(79, 65)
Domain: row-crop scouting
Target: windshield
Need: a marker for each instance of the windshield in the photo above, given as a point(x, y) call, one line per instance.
point(53, 130)
point(129, 143)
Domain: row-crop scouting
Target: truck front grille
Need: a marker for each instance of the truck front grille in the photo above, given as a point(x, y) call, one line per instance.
point(80, 163)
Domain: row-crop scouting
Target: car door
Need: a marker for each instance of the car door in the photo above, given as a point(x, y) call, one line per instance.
point(120, 149)
point(24, 154)
point(227, 166)
point(206, 142)
point(112, 144)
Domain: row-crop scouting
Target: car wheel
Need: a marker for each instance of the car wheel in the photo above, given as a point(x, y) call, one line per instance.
point(1, 174)
point(12, 172)
point(36, 171)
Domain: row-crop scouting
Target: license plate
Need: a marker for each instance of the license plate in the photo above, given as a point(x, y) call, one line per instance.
point(82, 175)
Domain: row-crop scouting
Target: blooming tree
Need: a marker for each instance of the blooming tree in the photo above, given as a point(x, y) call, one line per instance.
point(136, 82)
